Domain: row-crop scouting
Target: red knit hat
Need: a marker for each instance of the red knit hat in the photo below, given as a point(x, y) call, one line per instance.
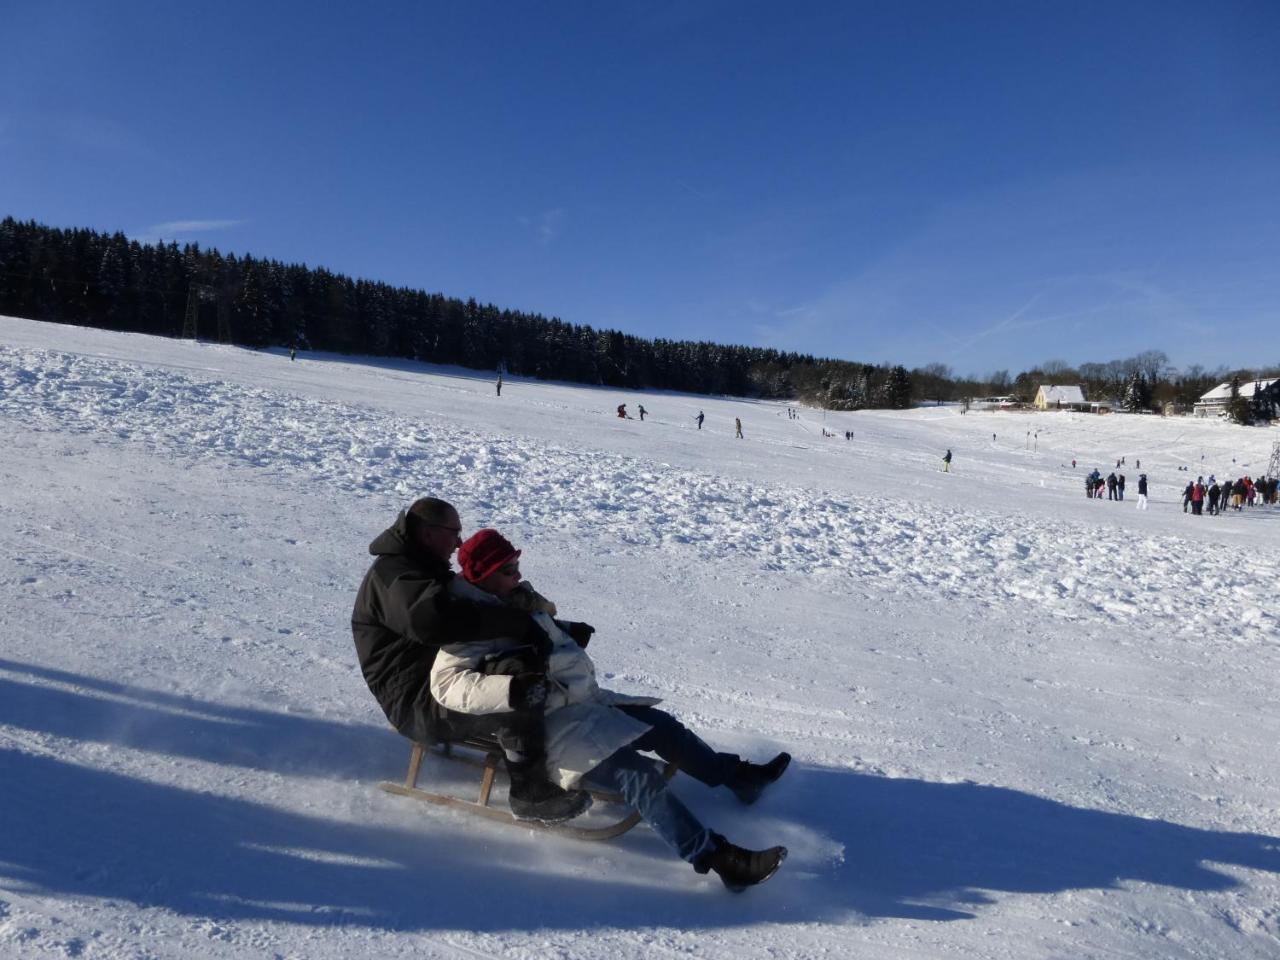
point(484, 552)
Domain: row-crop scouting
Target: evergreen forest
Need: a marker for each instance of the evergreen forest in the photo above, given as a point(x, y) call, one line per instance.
point(108, 280)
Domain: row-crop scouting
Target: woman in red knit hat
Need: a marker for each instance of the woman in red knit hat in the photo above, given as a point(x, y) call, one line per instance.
point(517, 679)
point(591, 731)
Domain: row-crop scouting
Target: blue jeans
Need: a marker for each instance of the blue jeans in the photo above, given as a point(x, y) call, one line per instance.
point(672, 740)
point(643, 787)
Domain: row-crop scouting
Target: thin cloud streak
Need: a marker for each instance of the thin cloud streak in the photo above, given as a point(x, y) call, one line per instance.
point(546, 226)
point(174, 230)
point(191, 226)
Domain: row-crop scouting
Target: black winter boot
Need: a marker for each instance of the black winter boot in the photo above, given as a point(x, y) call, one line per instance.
point(750, 779)
point(535, 798)
point(739, 868)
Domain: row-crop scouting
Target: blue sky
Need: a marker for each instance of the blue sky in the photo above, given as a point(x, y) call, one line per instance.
point(987, 185)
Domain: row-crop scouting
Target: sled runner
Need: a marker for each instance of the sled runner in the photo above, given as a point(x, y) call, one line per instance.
point(490, 758)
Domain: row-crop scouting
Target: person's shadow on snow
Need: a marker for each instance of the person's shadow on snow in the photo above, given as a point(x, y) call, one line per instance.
point(120, 714)
point(941, 850)
point(911, 848)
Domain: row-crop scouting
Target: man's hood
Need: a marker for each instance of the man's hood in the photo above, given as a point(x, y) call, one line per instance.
point(394, 539)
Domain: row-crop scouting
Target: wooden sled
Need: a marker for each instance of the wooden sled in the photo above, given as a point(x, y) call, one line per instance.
point(491, 759)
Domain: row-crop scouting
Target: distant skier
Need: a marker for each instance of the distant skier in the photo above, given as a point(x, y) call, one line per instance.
point(1142, 491)
point(499, 384)
point(643, 411)
point(946, 462)
point(1120, 487)
point(737, 425)
point(699, 418)
point(1111, 486)
point(293, 353)
point(1186, 496)
point(622, 411)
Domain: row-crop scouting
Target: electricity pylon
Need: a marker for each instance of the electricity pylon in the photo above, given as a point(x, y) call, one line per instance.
point(199, 293)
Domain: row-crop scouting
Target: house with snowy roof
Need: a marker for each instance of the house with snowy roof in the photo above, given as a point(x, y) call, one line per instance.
point(1050, 397)
point(1215, 401)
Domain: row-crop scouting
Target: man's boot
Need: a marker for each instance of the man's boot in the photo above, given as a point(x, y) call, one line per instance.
point(739, 868)
point(750, 779)
point(533, 797)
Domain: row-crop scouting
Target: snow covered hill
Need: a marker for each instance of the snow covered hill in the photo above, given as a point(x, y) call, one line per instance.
point(1026, 724)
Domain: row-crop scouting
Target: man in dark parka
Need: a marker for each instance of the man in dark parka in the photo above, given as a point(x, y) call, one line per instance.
point(404, 613)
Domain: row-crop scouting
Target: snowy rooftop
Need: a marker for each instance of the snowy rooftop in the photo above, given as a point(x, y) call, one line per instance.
point(1063, 394)
point(1223, 390)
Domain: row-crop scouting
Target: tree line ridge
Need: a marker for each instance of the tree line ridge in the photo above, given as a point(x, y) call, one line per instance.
point(109, 281)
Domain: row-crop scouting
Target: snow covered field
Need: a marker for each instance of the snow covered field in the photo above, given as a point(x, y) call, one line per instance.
point(1026, 724)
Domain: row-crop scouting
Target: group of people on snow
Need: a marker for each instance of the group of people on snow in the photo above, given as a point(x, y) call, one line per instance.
point(1197, 496)
point(1114, 484)
point(481, 653)
point(623, 415)
point(1227, 495)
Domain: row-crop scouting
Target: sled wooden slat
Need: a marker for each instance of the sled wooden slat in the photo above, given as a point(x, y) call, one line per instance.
point(501, 816)
point(486, 780)
point(492, 757)
point(415, 764)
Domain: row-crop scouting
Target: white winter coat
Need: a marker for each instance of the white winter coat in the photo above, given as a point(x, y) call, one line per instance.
point(583, 729)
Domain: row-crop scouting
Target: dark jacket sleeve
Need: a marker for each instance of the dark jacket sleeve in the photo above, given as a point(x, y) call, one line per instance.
point(422, 609)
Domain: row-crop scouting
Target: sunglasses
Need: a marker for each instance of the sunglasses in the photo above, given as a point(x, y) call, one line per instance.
point(456, 531)
point(510, 569)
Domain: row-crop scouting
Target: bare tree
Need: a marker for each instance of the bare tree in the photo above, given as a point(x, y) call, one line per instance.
point(1152, 364)
point(1055, 368)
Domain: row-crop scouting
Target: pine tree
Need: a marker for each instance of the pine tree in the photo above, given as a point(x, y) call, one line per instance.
point(1237, 406)
point(252, 321)
point(111, 282)
point(1262, 407)
point(898, 389)
point(1137, 393)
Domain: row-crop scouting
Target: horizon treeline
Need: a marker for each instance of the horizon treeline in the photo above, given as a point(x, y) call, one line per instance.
point(1146, 381)
point(109, 281)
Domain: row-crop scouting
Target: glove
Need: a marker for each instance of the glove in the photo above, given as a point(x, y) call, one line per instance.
point(537, 638)
point(512, 663)
point(528, 691)
point(581, 633)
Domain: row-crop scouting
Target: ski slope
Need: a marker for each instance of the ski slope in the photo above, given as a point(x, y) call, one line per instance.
point(1026, 724)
